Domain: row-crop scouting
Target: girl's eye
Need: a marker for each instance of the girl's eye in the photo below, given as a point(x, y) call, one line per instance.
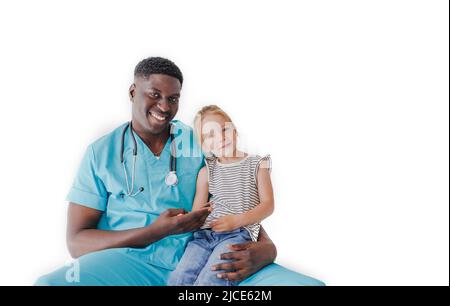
point(209, 135)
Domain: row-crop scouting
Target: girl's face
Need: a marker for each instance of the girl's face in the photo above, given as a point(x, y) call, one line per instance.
point(218, 135)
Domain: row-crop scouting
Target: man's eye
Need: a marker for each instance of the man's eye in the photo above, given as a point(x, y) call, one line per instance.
point(173, 100)
point(154, 95)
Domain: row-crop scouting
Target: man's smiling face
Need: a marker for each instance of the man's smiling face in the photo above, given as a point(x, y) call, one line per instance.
point(155, 102)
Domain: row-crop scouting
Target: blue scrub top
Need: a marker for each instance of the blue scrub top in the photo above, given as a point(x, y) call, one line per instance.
point(100, 184)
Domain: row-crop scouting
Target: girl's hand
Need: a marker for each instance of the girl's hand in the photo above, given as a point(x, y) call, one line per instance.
point(226, 223)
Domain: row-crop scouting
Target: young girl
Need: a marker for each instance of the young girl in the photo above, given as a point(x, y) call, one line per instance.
point(238, 187)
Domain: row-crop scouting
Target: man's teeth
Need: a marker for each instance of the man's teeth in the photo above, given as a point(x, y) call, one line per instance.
point(160, 118)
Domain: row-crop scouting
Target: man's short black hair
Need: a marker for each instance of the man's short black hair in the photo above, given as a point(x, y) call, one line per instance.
point(158, 65)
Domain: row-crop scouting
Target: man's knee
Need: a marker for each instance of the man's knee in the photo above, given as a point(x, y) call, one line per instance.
point(68, 275)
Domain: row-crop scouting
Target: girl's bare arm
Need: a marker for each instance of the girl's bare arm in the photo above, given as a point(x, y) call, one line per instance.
point(201, 193)
point(266, 205)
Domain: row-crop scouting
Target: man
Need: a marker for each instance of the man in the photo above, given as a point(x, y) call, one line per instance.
point(128, 219)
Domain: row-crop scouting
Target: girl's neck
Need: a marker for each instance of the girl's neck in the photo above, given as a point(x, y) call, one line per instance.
point(236, 156)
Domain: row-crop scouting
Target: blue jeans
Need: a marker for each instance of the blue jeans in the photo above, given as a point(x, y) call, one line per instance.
point(201, 254)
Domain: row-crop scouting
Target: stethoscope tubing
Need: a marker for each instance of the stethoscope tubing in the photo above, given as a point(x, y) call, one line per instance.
point(173, 161)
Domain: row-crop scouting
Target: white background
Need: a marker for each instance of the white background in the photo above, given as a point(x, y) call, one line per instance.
point(349, 97)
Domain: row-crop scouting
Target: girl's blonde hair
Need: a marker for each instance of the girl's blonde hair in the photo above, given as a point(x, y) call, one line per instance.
point(205, 110)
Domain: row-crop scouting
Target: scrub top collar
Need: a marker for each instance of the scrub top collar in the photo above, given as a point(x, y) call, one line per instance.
point(144, 150)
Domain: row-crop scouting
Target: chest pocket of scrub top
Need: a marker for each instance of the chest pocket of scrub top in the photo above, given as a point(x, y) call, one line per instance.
point(137, 203)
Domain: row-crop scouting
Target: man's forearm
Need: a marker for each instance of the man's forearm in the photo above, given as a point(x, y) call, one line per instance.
point(91, 240)
point(264, 237)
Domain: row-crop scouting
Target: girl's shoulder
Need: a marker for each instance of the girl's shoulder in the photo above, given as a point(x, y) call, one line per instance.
point(210, 158)
point(259, 158)
point(210, 162)
point(261, 161)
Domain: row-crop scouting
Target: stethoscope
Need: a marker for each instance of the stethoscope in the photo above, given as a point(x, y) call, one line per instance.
point(171, 178)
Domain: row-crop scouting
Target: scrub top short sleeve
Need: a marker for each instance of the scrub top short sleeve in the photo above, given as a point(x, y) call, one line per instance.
point(88, 189)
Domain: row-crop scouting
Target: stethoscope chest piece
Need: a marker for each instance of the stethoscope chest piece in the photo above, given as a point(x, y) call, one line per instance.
point(171, 178)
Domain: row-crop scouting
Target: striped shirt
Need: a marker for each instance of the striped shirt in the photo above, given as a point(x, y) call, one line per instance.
point(233, 188)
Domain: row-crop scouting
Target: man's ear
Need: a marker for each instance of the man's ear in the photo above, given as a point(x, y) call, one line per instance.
point(132, 91)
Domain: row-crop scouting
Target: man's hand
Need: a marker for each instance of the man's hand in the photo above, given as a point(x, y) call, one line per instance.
point(177, 221)
point(226, 223)
point(246, 259)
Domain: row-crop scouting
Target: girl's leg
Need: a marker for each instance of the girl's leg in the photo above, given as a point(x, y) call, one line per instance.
point(208, 277)
point(193, 260)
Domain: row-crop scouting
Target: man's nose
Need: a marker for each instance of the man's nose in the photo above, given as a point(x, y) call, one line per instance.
point(163, 105)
